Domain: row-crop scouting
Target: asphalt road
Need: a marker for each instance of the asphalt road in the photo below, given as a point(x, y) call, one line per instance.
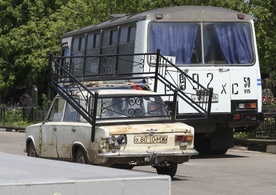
point(238, 172)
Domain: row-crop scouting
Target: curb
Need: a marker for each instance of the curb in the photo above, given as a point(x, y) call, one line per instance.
point(12, 129)
point(261, 145)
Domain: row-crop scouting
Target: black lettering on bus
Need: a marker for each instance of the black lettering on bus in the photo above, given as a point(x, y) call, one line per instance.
point(223, 89)
point(211, 79)
point(234, 88)
point(182, 82)
point(246, 82)
point(195, 76)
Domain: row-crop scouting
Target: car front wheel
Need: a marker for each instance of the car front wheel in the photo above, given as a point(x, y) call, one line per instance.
point(80, 157)
point(31, 150)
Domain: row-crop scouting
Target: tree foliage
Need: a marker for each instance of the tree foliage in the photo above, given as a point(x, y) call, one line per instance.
point(30, 29)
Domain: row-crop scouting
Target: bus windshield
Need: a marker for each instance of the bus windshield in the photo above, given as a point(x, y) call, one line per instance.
point(223, 42)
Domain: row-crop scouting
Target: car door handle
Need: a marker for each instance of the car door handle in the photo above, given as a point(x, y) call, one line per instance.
point(55, 129)
point(74, 130)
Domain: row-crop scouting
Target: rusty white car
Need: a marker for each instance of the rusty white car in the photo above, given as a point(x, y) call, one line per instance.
point(128, 128)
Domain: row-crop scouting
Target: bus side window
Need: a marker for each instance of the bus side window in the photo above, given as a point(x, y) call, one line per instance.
point(78, 50)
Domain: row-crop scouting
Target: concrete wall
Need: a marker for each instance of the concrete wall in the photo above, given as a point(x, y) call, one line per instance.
point(34, 176)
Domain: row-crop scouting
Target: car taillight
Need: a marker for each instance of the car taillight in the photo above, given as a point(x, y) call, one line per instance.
point(184, 138)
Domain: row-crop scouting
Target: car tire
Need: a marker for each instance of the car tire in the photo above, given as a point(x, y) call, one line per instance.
point(127, 167)
point(31, 150)
point(167, 170)
point(80, 157)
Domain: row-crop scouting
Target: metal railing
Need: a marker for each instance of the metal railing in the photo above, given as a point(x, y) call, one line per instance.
point(267, 128)
point(68, 74)
point(149, 68)
point(29, 114)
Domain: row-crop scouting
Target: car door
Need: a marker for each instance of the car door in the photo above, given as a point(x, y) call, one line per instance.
point(66, 132)
point(49, 129)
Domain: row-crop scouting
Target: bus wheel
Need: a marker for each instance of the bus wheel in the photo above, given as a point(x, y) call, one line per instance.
point(167, 170)
point(204, 147)
point(220, 151)
point(80, 157)
point(31, 150)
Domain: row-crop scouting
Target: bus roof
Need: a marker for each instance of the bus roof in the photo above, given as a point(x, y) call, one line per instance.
point(178, 13)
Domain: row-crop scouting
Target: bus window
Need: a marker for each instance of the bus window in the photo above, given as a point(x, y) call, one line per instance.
point(106, 38)
point(93, 41)
point(175, 39)
point(212, 52)
point(114, 37)
point(109, 66)
point(75, 45)
point(123, 35)
point(126, 45)
point(90, 41)
point(66, 53)
point(127, 34)
point(228, 43)
point(132, 34)
point(224, 43)
point(92, 63)
point(78, 50)
point(97, 40)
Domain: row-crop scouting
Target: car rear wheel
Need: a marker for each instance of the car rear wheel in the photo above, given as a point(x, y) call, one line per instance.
point(167, 170)
point(80, 157)
point(31, 150)
point(129, 167)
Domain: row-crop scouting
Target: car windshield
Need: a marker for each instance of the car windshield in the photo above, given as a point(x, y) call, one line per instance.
point(130, 107)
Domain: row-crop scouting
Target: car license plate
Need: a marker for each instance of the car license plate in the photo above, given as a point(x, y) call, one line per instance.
point(151, 139)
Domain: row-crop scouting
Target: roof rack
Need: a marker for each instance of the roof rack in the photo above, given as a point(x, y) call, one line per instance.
point(65, 78)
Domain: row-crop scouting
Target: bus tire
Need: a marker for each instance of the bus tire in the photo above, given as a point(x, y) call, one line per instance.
point(220, 151)
point(204, 147)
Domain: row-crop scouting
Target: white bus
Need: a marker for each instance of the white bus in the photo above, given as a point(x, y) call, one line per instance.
point(214, 46)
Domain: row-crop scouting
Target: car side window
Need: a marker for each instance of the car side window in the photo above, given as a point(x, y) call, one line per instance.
point(71, 115)
point(56, 110)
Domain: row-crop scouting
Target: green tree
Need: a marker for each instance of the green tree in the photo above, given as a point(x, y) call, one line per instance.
point(24, 27)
